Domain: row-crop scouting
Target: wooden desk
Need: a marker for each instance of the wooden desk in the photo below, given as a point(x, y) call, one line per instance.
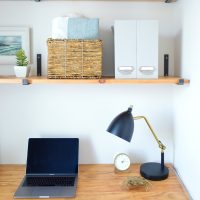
point(99, 182)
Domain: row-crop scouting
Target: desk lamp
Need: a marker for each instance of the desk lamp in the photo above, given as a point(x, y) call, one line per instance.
point(123, 127)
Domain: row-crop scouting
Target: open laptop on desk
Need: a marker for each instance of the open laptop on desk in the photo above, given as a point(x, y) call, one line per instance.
point(51, 170)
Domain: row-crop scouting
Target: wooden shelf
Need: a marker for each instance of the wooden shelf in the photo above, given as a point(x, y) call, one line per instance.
point(103, 80)
point(166, 1)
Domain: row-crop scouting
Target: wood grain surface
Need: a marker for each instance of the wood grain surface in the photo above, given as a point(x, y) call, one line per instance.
point(103, 80)
point(99, 182)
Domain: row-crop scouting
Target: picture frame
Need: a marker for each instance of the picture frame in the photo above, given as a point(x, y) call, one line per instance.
point(11, 40)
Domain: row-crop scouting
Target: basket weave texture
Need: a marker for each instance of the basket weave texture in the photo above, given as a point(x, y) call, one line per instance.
point(74, 58)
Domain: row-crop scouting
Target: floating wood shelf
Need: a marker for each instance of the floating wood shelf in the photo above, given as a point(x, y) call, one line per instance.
point(103, 80)
point(166, 1)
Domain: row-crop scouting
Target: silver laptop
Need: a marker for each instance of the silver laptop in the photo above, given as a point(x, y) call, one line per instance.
point(51, 170)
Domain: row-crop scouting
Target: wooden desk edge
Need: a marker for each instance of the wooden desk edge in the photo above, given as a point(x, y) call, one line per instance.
point(99, 174)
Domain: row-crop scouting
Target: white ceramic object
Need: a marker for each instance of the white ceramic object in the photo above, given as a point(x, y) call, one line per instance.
point(22, 71)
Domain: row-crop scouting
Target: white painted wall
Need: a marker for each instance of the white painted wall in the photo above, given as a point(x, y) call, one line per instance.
point(186, 106)
point(85, 110)
point(38, 17)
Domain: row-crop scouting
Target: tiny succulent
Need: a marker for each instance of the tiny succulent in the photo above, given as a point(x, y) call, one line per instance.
point(21, 58)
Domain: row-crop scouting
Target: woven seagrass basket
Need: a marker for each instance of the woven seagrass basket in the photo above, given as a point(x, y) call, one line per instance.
point(74, 59)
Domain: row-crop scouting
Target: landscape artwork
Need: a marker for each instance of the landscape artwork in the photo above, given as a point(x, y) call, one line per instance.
point(9, 45)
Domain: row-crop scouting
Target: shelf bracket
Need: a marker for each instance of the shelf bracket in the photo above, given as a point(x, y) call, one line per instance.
point(181, 81)
point(170, 1)
point(25, 81)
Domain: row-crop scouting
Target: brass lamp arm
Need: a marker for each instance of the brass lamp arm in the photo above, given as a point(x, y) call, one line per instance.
point(160, 144)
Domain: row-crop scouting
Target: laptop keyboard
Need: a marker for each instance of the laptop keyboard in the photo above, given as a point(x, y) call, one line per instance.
point(49, 181)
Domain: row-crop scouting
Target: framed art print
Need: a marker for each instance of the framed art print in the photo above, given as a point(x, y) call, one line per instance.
point(11, 40)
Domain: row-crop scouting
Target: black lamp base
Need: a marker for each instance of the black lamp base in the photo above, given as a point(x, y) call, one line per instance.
point(153, 171)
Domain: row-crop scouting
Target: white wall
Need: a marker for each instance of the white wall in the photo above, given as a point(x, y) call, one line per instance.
point(186, 107)
point(85, 110)
point(38, 17)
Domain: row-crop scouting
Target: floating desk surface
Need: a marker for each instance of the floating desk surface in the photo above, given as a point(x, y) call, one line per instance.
point(166, 1)
point(99, 182)
point(103, 80)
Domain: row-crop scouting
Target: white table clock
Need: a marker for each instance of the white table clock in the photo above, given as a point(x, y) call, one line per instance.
point(122, 162)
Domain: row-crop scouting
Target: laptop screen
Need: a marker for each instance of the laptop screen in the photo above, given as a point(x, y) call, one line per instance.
point(52, 155)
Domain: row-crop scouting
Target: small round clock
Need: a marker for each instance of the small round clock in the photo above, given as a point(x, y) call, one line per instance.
point(122, 162)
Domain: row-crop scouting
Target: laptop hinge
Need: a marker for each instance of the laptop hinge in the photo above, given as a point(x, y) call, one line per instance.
point(51, 174)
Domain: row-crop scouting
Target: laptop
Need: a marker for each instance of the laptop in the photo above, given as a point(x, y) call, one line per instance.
point(51, 169)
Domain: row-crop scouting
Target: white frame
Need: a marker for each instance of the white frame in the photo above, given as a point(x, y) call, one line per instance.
point(15, 31)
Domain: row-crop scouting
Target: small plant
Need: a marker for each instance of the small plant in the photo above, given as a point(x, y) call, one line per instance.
point(136, 181)
point(21, 58)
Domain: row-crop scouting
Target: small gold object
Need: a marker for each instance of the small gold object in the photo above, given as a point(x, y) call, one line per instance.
point(133, 182)
point(160, 144)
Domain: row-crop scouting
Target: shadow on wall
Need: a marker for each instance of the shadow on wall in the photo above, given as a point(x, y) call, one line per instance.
point(177, 54)
point(31, 48)
point(108, 52)
point(86, 150)
point(137, 157)
point(166, 46)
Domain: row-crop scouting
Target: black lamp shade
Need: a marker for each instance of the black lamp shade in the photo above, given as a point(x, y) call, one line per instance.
point(123, 125)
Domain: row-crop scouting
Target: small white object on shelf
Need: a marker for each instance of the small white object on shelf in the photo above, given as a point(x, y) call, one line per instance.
point(22, 71)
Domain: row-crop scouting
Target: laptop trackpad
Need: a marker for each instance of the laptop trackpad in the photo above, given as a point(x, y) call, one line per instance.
point(46, 192)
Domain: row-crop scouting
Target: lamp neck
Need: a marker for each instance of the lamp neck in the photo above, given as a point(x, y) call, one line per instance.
point(160, 144)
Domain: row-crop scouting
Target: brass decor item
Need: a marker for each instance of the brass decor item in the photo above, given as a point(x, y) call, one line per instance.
point(134, 182)
point(160, 144)
point(74, 59)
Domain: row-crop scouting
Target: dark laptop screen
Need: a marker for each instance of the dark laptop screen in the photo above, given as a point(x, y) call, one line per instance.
point(52, 155)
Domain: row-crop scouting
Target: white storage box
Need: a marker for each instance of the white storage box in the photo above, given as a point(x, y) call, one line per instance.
point(136, 49)
point(125, 34)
